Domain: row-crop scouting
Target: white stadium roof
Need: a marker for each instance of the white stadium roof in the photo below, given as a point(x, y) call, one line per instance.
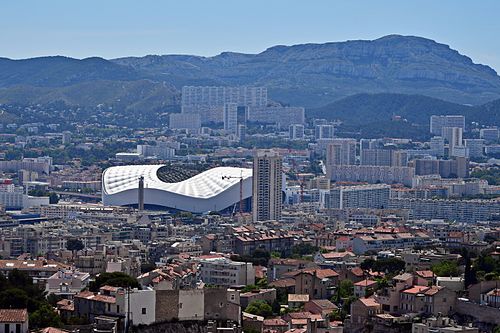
point(206, 191)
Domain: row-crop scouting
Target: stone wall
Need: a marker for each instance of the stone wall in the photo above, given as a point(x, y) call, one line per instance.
point(480, 313)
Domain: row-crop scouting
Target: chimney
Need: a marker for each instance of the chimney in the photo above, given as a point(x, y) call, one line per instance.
point(141, 194)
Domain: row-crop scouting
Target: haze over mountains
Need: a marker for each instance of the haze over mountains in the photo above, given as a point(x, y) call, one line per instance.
point(310, 75)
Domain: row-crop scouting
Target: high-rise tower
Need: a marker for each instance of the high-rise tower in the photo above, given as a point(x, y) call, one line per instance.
point(267, 186)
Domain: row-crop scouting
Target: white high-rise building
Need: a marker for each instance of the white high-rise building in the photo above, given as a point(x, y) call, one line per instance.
point(296, 132)
point(184, 121)
point(341, 152)
point(361, 196)
point(454, 136)
point(489, 134)
point(209, 101)
point(231, 118)
point(267, 186)
point(437, 146)
point(324, 132)
point(438, 122)
point(475, 147)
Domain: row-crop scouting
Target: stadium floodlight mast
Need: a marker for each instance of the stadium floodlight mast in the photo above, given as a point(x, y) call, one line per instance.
point(240, 177)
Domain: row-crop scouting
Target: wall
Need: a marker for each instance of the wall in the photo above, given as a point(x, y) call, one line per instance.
point(191, 304)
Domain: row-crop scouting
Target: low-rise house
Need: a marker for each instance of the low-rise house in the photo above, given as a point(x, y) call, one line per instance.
point(14, 321)
point(172, 276)
point(67, 283)
point(441, 324)
point(296, 301)
point(320, 306)
point(279, 267)
point(424, 278)
point(38, 270)
point(277, 325)
point(363, 287)
point(317, 283)
point(363, 310)
point(268, 295)
point(455, 283)
point(413, 299)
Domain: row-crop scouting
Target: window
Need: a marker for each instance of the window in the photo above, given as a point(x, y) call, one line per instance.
point(18, 328)
point(143, 310)
point(7, 328)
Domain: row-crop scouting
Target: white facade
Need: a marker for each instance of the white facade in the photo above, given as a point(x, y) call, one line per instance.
point(438, 122)
point(184, 121)
point(225, 272)
point(142, 306)
point(207, 191)
point(267, 186)
point(283, 116)
point(231, 117)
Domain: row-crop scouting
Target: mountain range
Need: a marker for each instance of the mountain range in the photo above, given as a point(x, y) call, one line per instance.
point(310, 75)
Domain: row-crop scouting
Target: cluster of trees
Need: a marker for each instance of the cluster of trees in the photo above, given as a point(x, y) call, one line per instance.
point(492, 175)
point(17, 291)
point(115, 279)
point(259, 257)
point(391, 266)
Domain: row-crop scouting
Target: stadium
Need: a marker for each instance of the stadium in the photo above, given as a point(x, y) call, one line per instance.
point(167, 187)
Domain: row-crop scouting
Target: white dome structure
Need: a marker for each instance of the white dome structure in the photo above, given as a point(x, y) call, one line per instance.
point(212, 190)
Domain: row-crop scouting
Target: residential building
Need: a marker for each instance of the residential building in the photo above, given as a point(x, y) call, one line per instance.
point(371, 174)
point(225, 272)
point(440, 121)
point(267, 186)
point(341, 152)
point(185, 121)
point(490, 134)
point(230, 118)
point(14, 321)
point(296, 132)
point(361, 196)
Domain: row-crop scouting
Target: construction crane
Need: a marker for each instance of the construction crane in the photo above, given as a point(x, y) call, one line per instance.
point(240, 177)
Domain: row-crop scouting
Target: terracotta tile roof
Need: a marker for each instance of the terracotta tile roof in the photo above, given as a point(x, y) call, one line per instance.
point(298, 297)
point(274, 322)
point(365, 283)
point(415, 290)
point(357, 271)
point(13, 315)
point(425, 274)
point(323, 304)
point(369, 302)
point(53, 330)
point(27, 265)
point(433, 290)
point(282, 283)
point(109, 288)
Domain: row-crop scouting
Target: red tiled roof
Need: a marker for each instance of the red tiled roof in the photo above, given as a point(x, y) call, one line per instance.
point(370, 302)
point(13, 315)
point(365, 283)
point(415, 290)
point(274, 322)
point(425, 274)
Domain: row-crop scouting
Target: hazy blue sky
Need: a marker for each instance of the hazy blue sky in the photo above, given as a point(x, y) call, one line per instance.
point(115, 28)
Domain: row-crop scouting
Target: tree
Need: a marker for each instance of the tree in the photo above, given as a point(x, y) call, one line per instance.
point(389, 265)
point(74, 244)
point(14, 298)
point(53, 198)
point(44, 316)
point(346, 288)
point(115, 279)
point(446, 268)
point(259, 308)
